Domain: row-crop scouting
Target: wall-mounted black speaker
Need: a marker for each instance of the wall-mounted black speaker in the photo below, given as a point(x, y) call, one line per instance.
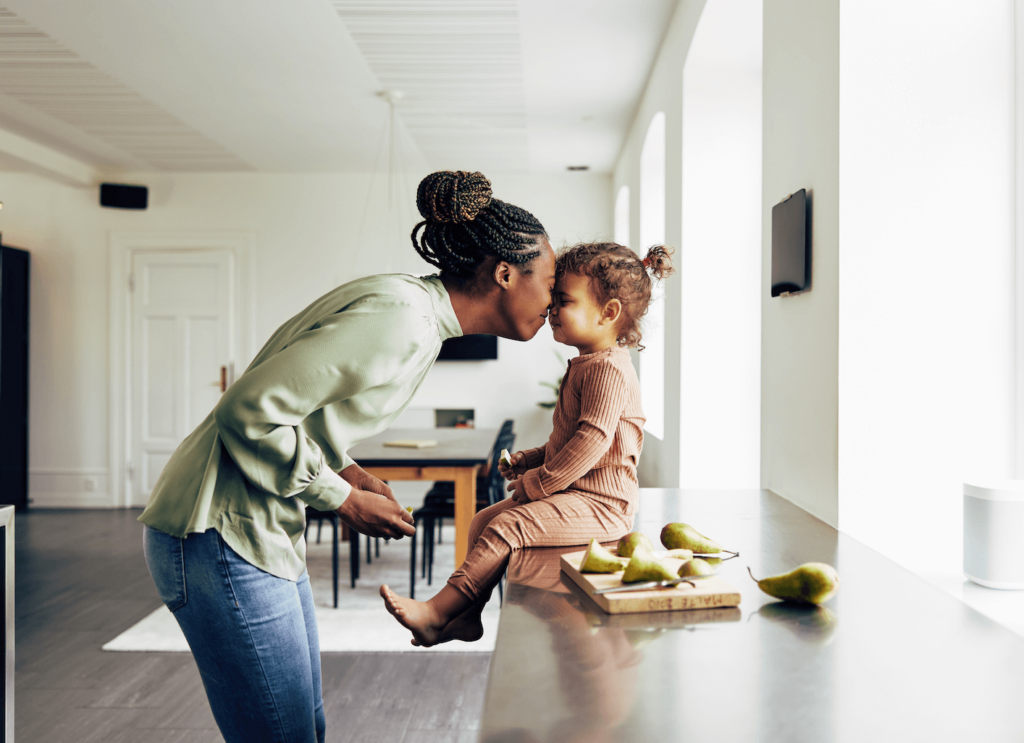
point(123, 196)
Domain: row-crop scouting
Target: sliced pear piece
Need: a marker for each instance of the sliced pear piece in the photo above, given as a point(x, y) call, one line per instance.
point(505, 458)
point(599, 560)
point(644, 566)
point(695, 568)
point(409, 509)
point(632, 542)
point(811, 583)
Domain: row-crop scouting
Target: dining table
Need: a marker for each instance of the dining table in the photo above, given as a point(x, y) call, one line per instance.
point(456, 455)
point(890, 657)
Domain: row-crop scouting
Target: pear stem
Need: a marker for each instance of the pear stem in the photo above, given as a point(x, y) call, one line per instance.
point(752, 575)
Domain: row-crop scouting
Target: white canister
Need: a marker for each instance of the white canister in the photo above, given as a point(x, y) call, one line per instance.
point(994, 534)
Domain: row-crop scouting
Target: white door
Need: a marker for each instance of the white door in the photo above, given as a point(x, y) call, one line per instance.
point(182, 352)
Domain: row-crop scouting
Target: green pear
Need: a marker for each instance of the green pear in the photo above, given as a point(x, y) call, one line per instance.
point(695, 568)
point(683, 555)
point(599, 560)
point(811, 583)
point(644, 566)
point(684, 536)
point(633, 541)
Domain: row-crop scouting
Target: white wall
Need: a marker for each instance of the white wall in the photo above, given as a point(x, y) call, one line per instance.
point(720, 257)
point(659, 463)
point(800, 333)
point(926, 307)
point(305, 229)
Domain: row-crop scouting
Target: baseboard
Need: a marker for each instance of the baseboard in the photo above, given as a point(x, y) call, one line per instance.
point(82, 487)
point(70, 500)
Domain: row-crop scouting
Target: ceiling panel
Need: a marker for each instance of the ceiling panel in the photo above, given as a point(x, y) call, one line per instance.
point(458, 64)
point(38, 72)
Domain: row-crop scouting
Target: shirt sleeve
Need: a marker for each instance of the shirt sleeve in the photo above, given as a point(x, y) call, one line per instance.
point(602, 402)
point(532, 458)
point(258, 418)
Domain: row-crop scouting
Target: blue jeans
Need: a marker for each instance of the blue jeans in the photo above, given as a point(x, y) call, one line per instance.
point(253, 636)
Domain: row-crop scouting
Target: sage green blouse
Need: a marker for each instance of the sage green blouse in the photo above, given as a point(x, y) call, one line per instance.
point(338, 372)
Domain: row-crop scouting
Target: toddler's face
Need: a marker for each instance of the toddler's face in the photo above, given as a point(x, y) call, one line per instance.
point(575, 314)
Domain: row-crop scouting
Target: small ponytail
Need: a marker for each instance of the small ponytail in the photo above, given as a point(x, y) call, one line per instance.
point(658, 262)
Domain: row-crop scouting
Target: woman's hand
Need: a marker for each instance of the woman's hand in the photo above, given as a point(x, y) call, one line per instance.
point(357, 477)
point(376, 515)
point(510, 473)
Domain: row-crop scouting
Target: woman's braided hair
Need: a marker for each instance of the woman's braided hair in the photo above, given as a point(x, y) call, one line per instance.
point(463, 225)
point(616, 272)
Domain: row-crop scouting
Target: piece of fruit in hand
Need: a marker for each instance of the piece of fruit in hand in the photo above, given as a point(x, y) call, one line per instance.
point(505, 458)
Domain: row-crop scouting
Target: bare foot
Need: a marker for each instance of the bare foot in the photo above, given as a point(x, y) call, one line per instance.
point(468, 627)
point(418, 617)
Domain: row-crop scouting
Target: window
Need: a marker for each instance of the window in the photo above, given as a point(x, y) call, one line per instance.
point(652, 232)
point(622, 216)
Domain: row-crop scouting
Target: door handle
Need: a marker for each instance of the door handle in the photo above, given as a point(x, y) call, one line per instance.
point(223, 379)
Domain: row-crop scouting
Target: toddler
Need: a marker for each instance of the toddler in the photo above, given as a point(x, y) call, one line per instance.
point(582, 483)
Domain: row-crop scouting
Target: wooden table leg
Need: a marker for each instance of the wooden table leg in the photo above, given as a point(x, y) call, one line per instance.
point(465, 509)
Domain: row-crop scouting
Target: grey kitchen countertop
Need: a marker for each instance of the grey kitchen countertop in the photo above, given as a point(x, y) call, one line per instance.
point(890, 657)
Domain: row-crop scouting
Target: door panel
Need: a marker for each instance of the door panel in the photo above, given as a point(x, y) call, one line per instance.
point(181, 337)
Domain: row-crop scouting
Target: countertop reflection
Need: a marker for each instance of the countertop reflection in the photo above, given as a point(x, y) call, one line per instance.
point(889, 658)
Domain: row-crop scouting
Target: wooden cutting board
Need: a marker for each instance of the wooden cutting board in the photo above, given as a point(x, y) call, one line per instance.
point(710, 593)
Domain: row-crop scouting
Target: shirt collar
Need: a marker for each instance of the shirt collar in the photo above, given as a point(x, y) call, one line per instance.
point(447, 323)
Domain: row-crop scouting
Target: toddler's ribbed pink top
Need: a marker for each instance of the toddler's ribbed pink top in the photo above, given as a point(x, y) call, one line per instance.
point(598, 433)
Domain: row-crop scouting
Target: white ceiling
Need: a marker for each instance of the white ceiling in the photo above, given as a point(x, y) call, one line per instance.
point(274, 86)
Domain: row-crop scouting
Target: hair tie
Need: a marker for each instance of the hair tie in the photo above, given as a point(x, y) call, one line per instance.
point(647, 262)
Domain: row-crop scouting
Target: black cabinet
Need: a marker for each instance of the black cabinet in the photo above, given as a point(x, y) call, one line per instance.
point(14, 273)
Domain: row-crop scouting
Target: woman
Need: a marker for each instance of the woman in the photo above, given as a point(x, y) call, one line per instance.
point(224, 525)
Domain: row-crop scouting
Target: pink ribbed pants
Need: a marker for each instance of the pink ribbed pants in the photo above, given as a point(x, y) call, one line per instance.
point(560, 520)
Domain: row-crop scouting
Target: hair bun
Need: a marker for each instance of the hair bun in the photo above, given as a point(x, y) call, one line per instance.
point(453, 196)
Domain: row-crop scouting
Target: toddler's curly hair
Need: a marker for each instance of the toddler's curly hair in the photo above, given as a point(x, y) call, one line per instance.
point(616, 272)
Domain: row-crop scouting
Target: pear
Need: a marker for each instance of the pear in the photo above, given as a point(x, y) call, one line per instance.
point(684, 536)
point(695, 568)
point(633, 541)
point(811, 583)
point(644, 566)
point(683, 555)
point(409, 509)
point(505, 458)
point(599, 560)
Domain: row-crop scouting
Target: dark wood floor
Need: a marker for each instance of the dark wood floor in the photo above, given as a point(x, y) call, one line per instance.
point(81, 580)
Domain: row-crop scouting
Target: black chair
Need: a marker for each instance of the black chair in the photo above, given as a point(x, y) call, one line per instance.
point(439, 504)
point(319, 517)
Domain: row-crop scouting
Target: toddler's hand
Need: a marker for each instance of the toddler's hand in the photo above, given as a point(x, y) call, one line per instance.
point(509, 473)
point(518, 491)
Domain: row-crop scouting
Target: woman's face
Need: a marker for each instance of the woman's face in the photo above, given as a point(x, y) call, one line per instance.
point(526, 305)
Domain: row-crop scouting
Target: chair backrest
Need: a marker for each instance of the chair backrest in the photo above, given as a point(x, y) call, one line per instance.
point(496, 483)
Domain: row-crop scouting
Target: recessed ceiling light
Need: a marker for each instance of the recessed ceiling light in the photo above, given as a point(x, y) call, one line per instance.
point(577, 167)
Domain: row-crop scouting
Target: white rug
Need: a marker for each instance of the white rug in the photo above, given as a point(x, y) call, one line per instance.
point(360, 623)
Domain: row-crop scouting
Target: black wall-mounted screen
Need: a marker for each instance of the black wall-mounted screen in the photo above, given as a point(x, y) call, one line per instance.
point(790, 245)
point(469, 348)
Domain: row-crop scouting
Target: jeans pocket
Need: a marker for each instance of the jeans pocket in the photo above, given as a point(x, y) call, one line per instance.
point(165, 556)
